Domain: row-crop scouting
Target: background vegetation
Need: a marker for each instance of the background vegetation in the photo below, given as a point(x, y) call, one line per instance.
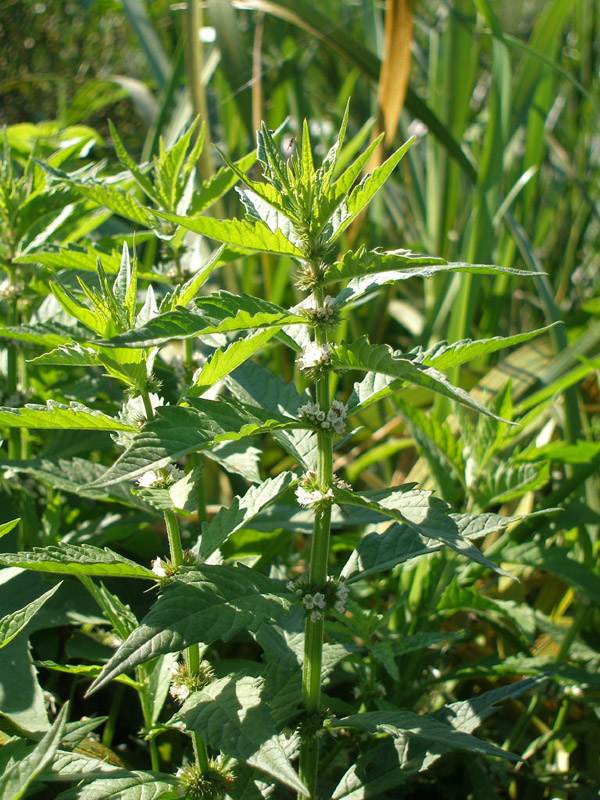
point(505, 100)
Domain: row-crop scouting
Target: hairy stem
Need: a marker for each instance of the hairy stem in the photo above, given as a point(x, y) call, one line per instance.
point(313, 642)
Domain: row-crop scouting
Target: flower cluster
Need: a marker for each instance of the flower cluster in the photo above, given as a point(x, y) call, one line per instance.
point(160, 478)
point(318, 601)
point(164, 569)
point(308, 493)
point(183, 683)
point(314, 358)
point(211, 784)
point(316, 314)
point(334, 419)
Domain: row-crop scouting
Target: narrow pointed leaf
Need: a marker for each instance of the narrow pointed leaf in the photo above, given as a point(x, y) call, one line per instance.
point(54, 415)
point(140, 178)
point(202, 605)
point(46, 334)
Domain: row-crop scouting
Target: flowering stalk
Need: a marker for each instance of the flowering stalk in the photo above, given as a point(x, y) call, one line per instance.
point(192, 653)
point(313, 642)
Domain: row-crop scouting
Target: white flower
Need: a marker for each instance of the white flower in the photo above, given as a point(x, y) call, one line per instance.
point(179, 692)
point(309, 601)
point(148, 479)
point(310, 498)
point(314, 356)
point(340, 484)
point(315, 615)
point(319, 600)
point(158, 568)
point(309, 410)
point(340, 607)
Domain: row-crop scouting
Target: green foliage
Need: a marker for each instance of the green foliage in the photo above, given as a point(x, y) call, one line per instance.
point(215, 380)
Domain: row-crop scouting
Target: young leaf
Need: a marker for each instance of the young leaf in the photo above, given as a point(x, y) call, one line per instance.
point(142, 181)
point(202, 605)
point(46, 334)
point(231, 715)
point(6, 527)
point(55, 415)
point(13, 624)
point(72, 559)
point(16, 780)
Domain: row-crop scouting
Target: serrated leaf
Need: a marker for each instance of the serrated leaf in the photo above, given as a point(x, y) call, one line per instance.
point(87, 670)
point(400, 724)
point(378, 552)
point(117, 200)
point(219, 184)
point(401, 369)
point(421, 511)
point(509, 481)
point(231, 715)
point(401, 265)
point(72, 559)
point(362, 194)
point(16, 780)
point(242, 509)
point(140, 178)
point(444, 356)
point(69, 355)
point(222, 362)
point(76, 257)
point(184, 324)
point(13, 624)
point(55, 415)
point(130, 786)
point(69, 766)
point(202, 605)
point(250, 236)
point(181, 496)
point(181, 430)
point(46, 334)
point(73, 476)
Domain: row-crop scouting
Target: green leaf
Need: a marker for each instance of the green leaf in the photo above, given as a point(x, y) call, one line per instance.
point(47, 334)
point(124, 288)
point(142, 181)
point(87, 670)
point(6, 527)
point(580, 577)
point(16, 780)
point(131, 786)
point(220, 183)
point(182, 295)
point(242, 509)
point(222, 362)
point(115, 199)
point(404, 264)
point(379, 552)
point(69, 355)
point(361, 196)
point(181, 496)
point(247, 235)
point(73, 476)
point(231, 715)
point(401, 369)
point(181, 430)
point(443, 356)
point(426, 514)
point(13, 624)
point(184, 324)
point(201, 605)
point(79, 258)
point(55, 415)
point(400, 724)
point(72, 559)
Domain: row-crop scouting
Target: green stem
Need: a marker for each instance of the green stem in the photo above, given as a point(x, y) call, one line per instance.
point(192, 653)
point(147, 714)
point(313, 641)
